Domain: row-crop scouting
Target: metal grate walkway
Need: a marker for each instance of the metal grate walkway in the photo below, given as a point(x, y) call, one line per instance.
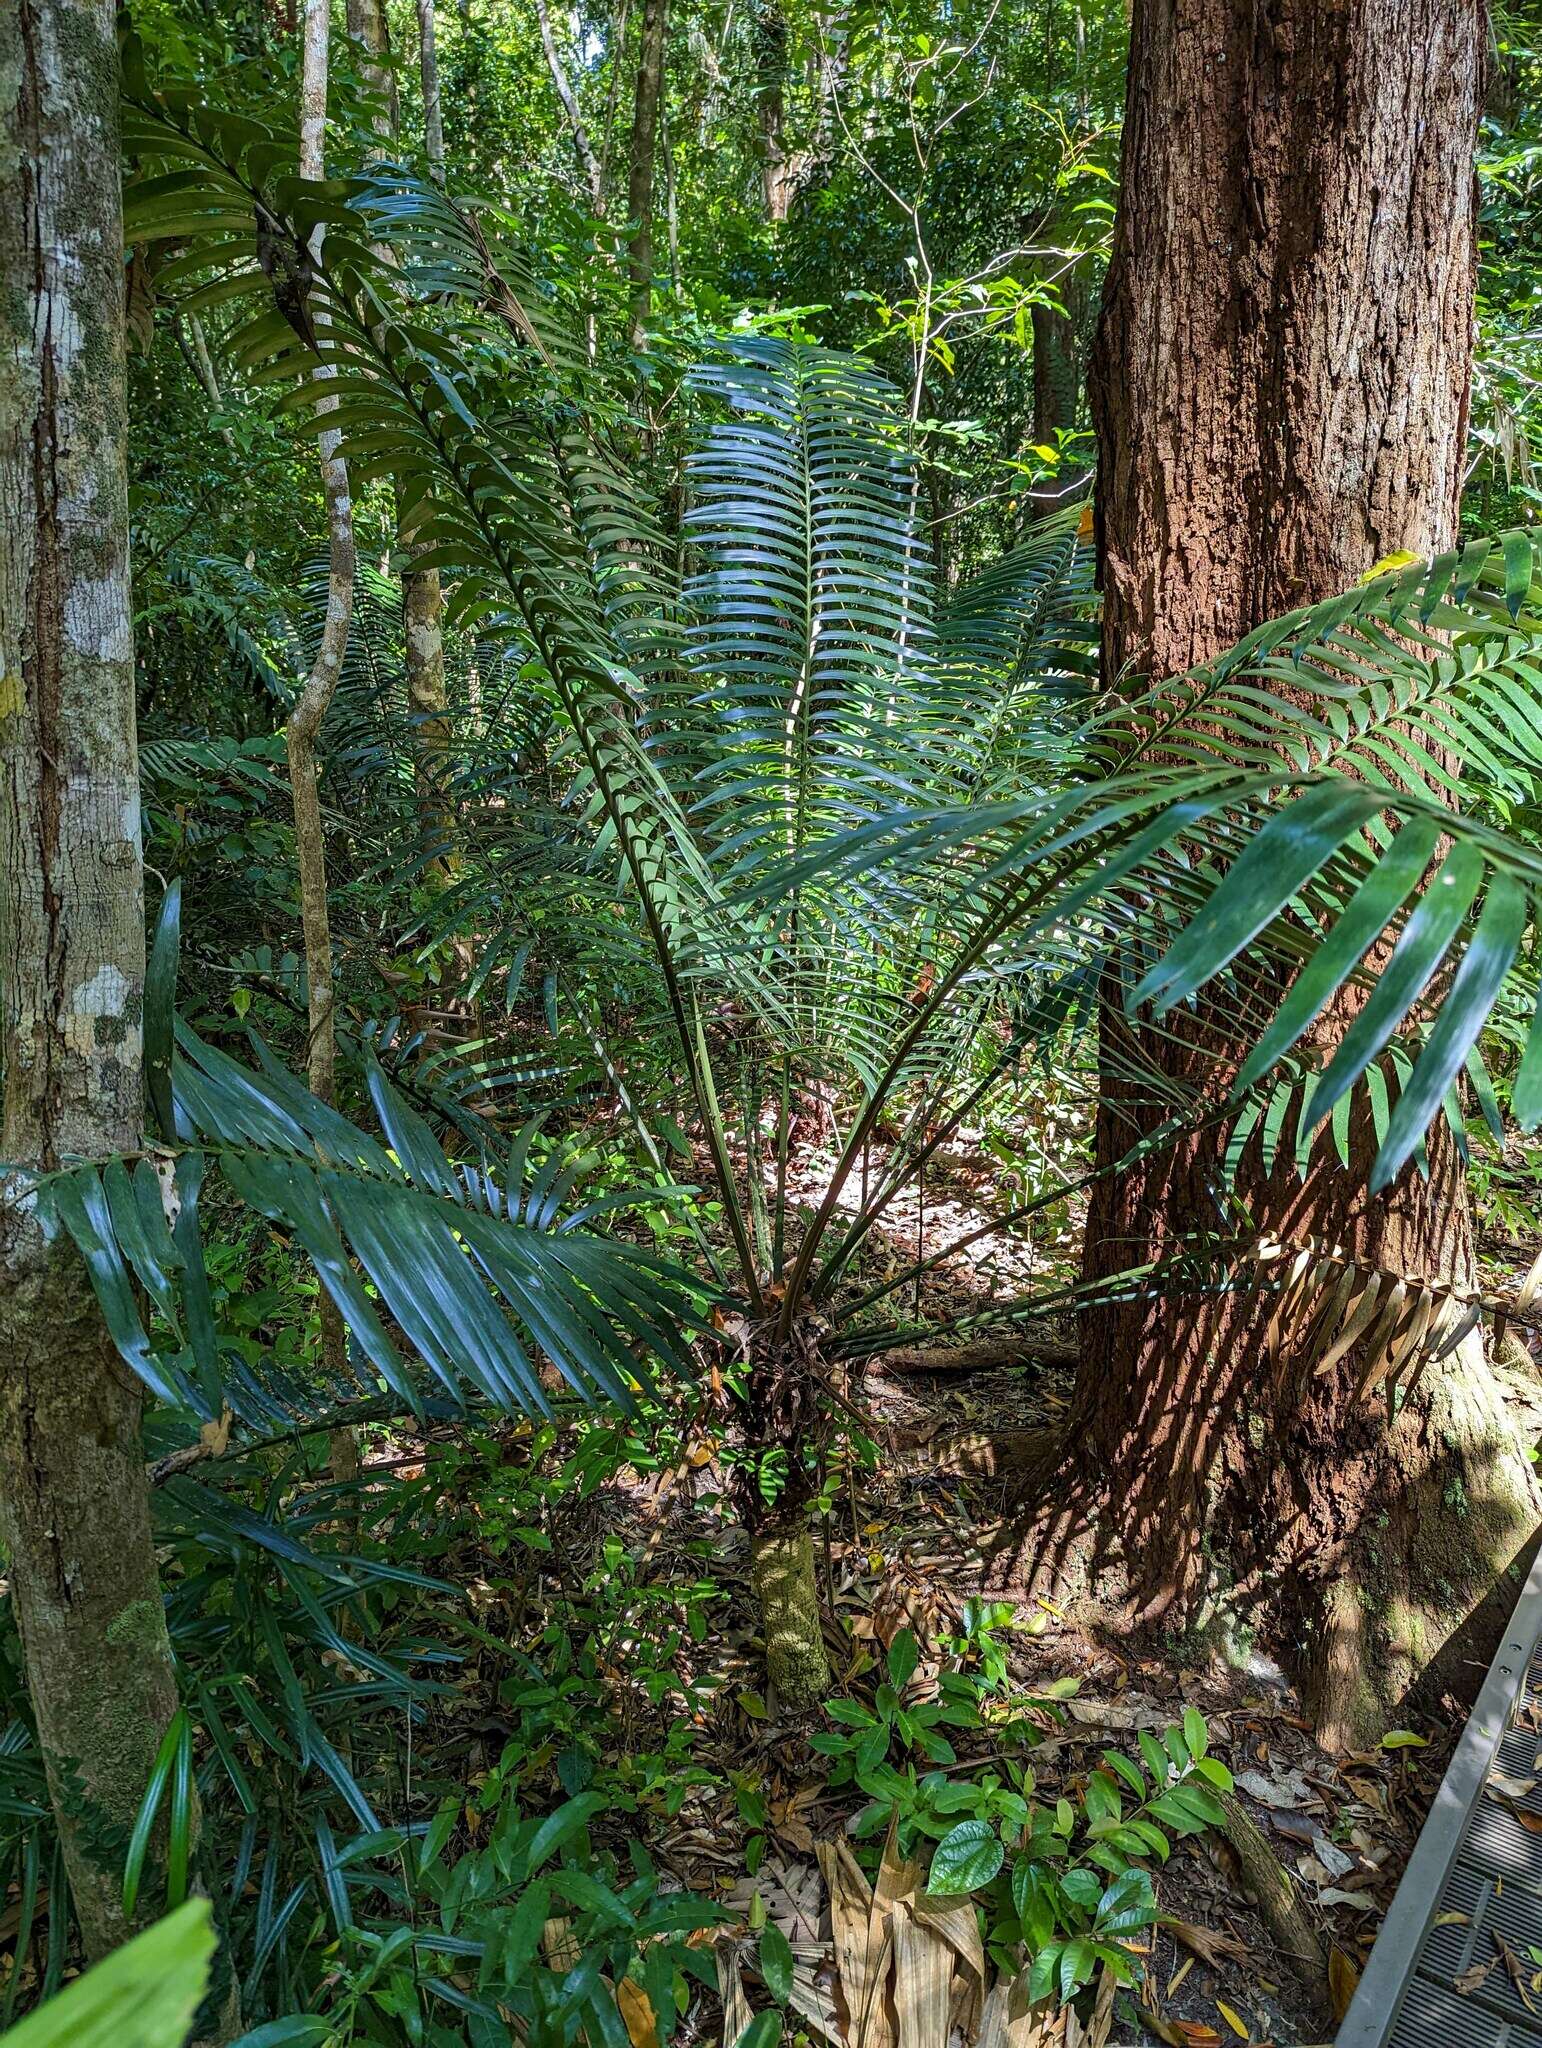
point(1439, 1975)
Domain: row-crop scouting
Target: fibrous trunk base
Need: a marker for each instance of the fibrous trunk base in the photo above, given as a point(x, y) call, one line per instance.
point(787, 1595)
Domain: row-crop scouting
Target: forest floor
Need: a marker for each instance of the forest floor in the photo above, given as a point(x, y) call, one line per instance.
point(907, 1551)
point(907, 1546)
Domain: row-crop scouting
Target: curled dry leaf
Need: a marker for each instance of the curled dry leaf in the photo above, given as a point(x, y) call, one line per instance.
point(1208, 1943)
point(1520, 1976)
point(1475, 1976)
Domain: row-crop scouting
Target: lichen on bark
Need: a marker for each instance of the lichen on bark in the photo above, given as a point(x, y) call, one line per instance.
point(74, 1504)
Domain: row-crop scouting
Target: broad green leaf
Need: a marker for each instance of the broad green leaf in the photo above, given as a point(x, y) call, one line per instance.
point(143, 1995)
point(966, 1857)
point(775, 1955)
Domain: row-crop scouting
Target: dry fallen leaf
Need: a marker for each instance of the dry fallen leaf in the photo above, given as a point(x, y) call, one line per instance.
point(1164, 2030)
point(1343, 1982)
point(1208, 1943)
point(730, 1988)
point(923, 1981)
point(1233, 2019)
point(862, 1945)
point(1288, 1789)
point(1512, 1788)
point(1518, 1974)
point(637, 2013)
point(1474, 1976)
point(560, 1945)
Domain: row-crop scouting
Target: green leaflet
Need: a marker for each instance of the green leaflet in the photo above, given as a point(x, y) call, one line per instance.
point(1436, 919)
point(1476, 983)
point(1286, 852)
point(1366, 916)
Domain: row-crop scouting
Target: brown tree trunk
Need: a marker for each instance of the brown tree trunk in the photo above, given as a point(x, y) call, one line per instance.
point(639, 190)
point(1280, 388)
point(776, 170)
point(1057, 380)
point(74, 1503)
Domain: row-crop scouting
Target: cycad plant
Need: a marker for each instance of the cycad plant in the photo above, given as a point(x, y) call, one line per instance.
point(874, 849)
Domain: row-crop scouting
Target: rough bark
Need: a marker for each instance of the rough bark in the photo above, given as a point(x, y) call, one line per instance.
point(1280, 387)
point(428, 708)
point(640, 178)
point(786, 1592)
point(73, 1495)
point(778, 1419)
point(1280, 1903)
point(1057, 378)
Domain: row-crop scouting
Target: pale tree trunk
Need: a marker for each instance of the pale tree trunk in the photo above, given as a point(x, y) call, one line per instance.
point(671, 205)
point(74, 1503)
point(1280, 389)
point(639, 190)
point(306, 718)
point(428, 72)
point(615, 45)
point(367, 25)
point(594, 175)
point(422, 597)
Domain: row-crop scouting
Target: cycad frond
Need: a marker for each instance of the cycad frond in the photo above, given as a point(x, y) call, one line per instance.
point(810, 608)
point(472, 1262)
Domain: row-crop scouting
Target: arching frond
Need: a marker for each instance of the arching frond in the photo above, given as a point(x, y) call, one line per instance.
point(472, 1265)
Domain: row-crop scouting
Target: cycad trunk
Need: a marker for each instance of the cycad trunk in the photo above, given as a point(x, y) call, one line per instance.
point(787, 1595)
point(1280, 390)
point(73, 1493)
point(779, 1420)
